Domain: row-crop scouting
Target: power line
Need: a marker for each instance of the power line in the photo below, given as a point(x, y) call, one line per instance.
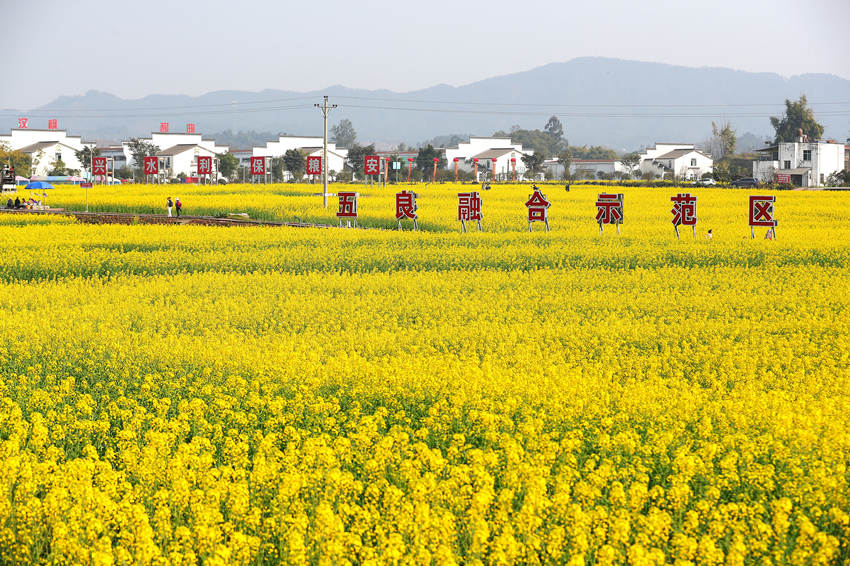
point(199, 112)
point(144, 108)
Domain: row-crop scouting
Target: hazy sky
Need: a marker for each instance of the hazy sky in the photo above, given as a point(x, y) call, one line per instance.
point(176, 47)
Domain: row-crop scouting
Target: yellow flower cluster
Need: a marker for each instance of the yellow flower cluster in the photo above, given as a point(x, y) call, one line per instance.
point(188, 394)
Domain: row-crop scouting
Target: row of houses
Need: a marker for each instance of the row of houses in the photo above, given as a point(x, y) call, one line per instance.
point(802, 162)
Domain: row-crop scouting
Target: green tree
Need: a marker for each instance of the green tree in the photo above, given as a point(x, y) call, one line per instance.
point(554, 128)
point(593, 152)
point(57, 168)
point(356, 154)
point(798, 116)
point(227, 164)
point(425, 160)
point(533, 162)
point(295, 163)
point(139, 149)
point(84, 156)
point(344, 134)
point(566, 158)
point(17, 159)
point(630, 161)
point(724, 140)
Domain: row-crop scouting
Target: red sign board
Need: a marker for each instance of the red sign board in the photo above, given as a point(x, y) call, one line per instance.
point(204, 165)
point(372, 165)
point(761, 211)
point(190, 128)
point(684, 209)
point(151, 165)
point(609, 209)
point(99, 165)
point(783, 178)
point(258, 166)
point(85, 185)
point(347, 205)
point(22, 123)
point(163, 127)
point(52, 124)
point(314, 165)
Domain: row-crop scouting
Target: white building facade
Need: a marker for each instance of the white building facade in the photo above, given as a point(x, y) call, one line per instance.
point(307, 145)
point(806, 164)
point(183, 158)
point(485, 149)
point(165, 141)
point(680, 160)
point(45, 148)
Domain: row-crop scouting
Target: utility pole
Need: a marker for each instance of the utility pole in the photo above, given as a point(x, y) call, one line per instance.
point(325, 108)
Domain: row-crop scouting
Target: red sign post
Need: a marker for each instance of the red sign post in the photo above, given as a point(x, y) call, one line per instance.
point(469, 209)
point(372, 165)
point(314, 165)
point(190, 128)
point(151, 166)
point(609, 210)
point(347, 207)
point(258, 166)
point(405, 207)
point(99, 167)
point(475, 162)
point(456, 162)
point(761, 215)
point(513, 167)
point(52, 124)
point(163, 127)
point(494, 169)
point(434, 174)
point(538, 208)
point(205, 166)
point(684, 212)
point(409, 167)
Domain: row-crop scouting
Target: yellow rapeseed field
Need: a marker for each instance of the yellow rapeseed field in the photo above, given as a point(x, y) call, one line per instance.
point(201, 395)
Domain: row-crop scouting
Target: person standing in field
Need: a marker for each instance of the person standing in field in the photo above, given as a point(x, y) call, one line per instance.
point(168, 205)
point(178, 206)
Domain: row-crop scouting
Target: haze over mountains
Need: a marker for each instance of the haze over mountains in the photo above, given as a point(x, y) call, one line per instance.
point(618, 103)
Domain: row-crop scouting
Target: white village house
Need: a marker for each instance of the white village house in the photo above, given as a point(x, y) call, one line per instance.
point(167, 140)
point(803, 163)
point(45, 148)
point(506, 153)
point(680, 160)
point(183, 158)
point(309, 146)
point(592, 168)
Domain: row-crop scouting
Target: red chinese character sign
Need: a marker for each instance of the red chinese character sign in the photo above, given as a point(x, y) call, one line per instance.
point(469, 209)
point(372, 165)
point(538, 208)
point(405, 207)
point(684, 212)
point(258, 166)
point(761, 215)
point(190, 128)
point(23, 123)
point(163, 127)
point(314, 165)
point(609, 210)
point(783, 178)
point(347, 207)
point(98, 166)
point(151, 165)
point(204, 165)
point(52, 124)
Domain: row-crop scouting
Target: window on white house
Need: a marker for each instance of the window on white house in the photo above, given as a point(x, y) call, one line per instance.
point(807, 155)
point(58, 156)
point(693, 162)
point(787, 165)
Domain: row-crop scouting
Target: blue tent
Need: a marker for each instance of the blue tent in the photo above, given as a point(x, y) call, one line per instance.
point(39, 185)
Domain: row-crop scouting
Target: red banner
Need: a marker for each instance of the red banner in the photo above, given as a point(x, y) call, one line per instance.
point(204, 165)
point(314, 165)
point(99, 166)
point(258, 166)
point(151, 165)
point(190, 128)
point(163, 127)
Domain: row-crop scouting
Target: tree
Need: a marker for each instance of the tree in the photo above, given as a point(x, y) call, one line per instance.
point(425, 160)
point(343, 134)
point(631, 160)
point(17, 159)
point(57, 168)
point(295, 163)
point(566, 158)
point(356, 154)
point(723, 140)
point(797, 117)
point(554, 128)
point(84, 156)
point(227, 165)
point(139, 149)
point(533, 162)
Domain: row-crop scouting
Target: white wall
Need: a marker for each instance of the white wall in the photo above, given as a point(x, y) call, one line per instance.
point(652, 153)
point(826, 159)
point(43, 160)
point(186, 162)
point(19, 138)
point(477, 145)
point(336, 157)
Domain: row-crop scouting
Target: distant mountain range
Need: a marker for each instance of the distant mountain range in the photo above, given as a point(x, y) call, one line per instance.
point(600, 101)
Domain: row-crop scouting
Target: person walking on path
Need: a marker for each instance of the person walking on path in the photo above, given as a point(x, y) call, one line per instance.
point(168, 205)
point(178, 206)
